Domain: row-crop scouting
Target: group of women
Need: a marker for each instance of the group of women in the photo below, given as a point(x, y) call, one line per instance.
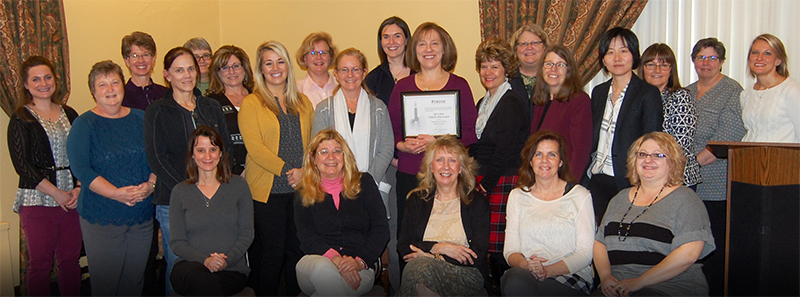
point(296, 172)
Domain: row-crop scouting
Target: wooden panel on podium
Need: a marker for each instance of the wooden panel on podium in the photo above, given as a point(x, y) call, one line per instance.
point(763, 224)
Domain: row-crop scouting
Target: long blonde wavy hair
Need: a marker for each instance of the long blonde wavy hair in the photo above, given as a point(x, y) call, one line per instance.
point(310, 188)
point(294, 100)
point(466, 174)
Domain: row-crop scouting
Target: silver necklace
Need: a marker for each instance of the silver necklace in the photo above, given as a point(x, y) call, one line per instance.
point(628, 229)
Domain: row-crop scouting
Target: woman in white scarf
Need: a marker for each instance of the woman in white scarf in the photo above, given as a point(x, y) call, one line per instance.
point(502, 128)
point(360, 117)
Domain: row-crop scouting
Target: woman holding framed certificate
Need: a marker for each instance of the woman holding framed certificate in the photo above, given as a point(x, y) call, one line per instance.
point(432, 55)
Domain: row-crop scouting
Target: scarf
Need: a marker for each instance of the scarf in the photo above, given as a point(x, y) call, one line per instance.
point(357, 138)
point(487, 106)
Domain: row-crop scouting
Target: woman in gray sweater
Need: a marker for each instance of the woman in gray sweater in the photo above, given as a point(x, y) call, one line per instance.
point(211, 217)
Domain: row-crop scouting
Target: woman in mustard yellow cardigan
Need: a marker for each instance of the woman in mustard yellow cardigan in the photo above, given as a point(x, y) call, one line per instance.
point(275, 122)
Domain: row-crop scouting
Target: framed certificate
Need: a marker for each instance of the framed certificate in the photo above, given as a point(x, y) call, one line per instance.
point(431, 113)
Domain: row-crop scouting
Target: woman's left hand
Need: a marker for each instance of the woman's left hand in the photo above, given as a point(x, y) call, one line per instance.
point(460, 253)
point(74, 193)
point(627, 287)
point(416, 254)
point(216, 262)
point(294, 176)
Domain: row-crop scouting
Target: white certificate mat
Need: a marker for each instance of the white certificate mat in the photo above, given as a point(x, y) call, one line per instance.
point(431, 113)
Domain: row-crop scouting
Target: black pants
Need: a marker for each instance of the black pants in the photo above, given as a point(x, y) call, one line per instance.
point(405, 183)
point(498, 266)
point(194, 279)
point(275, 249)
point(603, 188)
point(714, 264)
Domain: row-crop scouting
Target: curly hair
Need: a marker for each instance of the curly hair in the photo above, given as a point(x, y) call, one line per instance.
point(310, 188)
point(308, 45)
point(496, 50)
point(676, 160)
point(466, 174)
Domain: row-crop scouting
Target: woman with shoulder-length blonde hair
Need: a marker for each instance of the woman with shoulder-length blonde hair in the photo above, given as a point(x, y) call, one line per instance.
point(771, 107)
point(341, 221)
point(446, 231)
point(315, 56)
point(275, 122)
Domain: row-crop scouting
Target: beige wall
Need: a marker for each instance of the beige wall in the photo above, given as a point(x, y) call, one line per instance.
point(95, 29)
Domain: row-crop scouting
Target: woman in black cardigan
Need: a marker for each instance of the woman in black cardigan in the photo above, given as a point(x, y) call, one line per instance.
point(341, 221)
point(445, 235)
point(616, 125)
point(48, 192)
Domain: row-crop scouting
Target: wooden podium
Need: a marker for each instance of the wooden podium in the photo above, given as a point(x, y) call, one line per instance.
point(763, 224)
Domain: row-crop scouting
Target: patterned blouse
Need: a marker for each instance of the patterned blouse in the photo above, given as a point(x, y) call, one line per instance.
point(57, 133)
point(680, 121)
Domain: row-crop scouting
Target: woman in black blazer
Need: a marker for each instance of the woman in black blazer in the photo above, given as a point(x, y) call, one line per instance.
point(623, 109)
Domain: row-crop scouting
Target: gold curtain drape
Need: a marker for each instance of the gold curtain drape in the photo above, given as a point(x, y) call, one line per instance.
point(27, 28)
point(577, 24)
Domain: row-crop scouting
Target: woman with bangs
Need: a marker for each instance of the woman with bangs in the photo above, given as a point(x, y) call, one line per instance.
point(658, 68)
point(275, 122)
point(653, 233)
point(340, 219)
point(561, 106)
point(231, 81)
point(432, 55)
point(315, 56)
point(529, 41)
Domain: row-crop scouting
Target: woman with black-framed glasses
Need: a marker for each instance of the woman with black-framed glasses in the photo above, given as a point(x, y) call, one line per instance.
point(653, 233)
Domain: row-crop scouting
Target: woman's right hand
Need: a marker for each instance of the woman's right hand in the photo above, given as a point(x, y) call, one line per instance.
point(129, 195)
point(609, 286)
point(64, 199)
point(416, 145)
point(460, 253)
point(348, 269)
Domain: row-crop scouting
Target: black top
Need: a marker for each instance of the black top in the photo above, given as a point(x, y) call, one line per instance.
point(474, 217)
point(239, 152)
point(358, 228)
point(381, 82)
point(166, 139)
point(497, 151)
point(30, 152)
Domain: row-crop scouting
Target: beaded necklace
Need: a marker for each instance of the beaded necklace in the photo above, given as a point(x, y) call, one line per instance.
point(628, 229)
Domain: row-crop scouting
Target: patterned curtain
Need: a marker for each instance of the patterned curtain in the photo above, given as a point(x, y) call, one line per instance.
point(577, 24)
point(27, 28)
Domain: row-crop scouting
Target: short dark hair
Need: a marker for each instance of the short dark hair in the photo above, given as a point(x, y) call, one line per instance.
point(526, 176)
point(223, 167)
point(406, 33)
point(139, 39)
point(631, 42)
point(711, 42)
point(661, 51)
point(494, 49)
point(450, 55)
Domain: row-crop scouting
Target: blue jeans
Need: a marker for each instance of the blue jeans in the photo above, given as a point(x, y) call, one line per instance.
point(162, 215)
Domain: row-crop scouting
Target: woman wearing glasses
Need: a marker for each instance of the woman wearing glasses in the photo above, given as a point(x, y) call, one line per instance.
point(231, 81)
point(563, 107)
point(315, 56)
point(360, 118)
point(202, 53)
point(659, 69)
point(167, 125)
point(653, 233)
point(719, 118)
point(623, 108)
point(529, 42)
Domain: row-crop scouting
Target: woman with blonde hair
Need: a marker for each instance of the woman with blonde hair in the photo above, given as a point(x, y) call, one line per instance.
point(771, 108)
point(529, 42)
point(446, 231)
point(275, 122)
point(315, 56)
point(341, 222)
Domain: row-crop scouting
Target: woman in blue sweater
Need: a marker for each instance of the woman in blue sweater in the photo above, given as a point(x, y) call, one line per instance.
point(106, 152)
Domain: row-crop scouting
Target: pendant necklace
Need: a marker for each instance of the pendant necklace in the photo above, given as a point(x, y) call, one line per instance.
point(628, 229)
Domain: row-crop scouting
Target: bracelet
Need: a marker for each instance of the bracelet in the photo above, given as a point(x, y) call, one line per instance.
point(153, 183)
point(78, 186)
point(363, 263)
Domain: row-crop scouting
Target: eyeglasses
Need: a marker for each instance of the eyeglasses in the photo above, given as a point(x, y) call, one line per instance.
point(527, 44)
point(203, 57)
point(706, 58)
point(234, 67)
point(652, 66)
point(321, 53)
point(559, 65)
point(354, 70)
point(325, 153)
point(653, 156)
point(144, 56)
